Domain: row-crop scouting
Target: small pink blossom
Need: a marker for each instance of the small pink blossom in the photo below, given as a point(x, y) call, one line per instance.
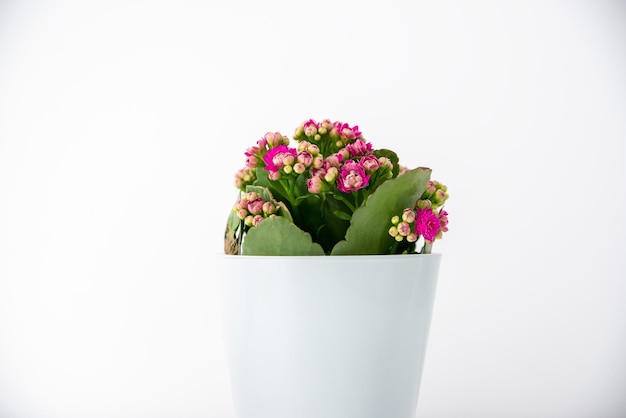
point(352, 177)
point(427, 224)
point(305, 158)
point(255, 206)
point(359, 147)
point(310, 127)
point(345, 131)
point(333, 161)
point(369, 163)
point(443, 220)
point(276, 158)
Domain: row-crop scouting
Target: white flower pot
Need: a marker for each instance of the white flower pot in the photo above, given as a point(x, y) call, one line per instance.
point(327, 337)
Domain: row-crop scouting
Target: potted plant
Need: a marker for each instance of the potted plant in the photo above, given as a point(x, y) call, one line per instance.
point(343, 334)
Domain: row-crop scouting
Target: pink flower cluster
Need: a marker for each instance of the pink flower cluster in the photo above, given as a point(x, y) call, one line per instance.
point(348, 170)
point(423, 220)
point(252, 209)
point(339, 132)
point(274, 156)
point(419, 222)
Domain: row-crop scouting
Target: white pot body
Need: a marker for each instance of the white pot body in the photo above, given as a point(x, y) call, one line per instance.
point(327, 337)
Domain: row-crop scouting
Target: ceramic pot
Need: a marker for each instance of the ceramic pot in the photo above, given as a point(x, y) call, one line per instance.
point(327, 337)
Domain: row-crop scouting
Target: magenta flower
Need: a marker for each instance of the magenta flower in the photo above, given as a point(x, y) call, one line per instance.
point(276, 158)
point(427, 224)
point(345, 131)
point(352, 177)
point(359, 147)
point(369, 163)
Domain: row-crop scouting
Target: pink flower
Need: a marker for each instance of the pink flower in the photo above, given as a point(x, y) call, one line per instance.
point(276, 158)
point(333, 161)
point(352, 177)
point(315, 184)
point(427, 224)
point(255, 206)
point(305, 158)
point(345, 131)
point(369, 163)
point(275, 139)
point(253, 153)
point(359, 147)
point(443, 220)
point(310, 127)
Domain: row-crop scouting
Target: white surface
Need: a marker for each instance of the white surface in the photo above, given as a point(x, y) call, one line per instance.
point(121, 124)
point(346, 338)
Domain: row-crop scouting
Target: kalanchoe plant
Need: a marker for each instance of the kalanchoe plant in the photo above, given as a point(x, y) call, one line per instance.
point(333, 194)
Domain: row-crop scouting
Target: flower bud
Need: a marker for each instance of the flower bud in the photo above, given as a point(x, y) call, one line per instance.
point(249, 221)
point(331, 175)
point(287, 169)
point(288, 159)
point(242, 213)
point(310, 130)
point(314, 185)
point(269, 208)
point(275, 139)
point(303, 146)
point(313, 149)
point(255, 207)
point(257, 220)
point(430, 188)
point(399, 238)
point(408, 215)
point(393, 231)
point(305, 158)
point(250, 196)
point(395, 220)
point(299, 168)
point(404, 229)
point(274, 175)
point(424, 203)
point(318, 162)
point(412, 237)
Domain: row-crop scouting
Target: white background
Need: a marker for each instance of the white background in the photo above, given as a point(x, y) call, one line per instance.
point(121, 125)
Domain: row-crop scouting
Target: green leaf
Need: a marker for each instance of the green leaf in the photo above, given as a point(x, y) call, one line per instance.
point(231, 239)
point(342, 215)
point(278, 236)
point(368, 231)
